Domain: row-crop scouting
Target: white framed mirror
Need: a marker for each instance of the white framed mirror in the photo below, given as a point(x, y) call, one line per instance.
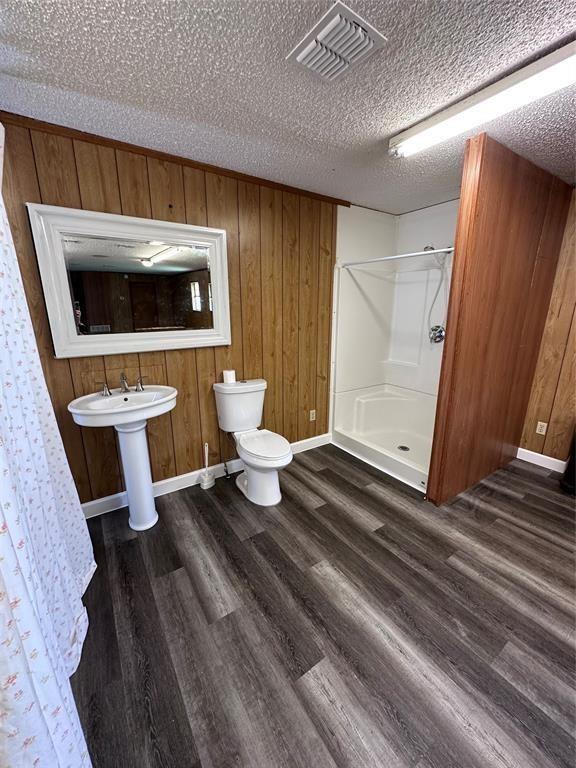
point(116, 284)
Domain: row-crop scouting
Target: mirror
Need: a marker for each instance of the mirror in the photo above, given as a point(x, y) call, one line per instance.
point(120, 284)
point(123, 286)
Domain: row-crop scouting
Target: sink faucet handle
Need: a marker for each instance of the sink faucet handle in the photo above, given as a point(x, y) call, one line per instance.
point(124, 383)
point(105, 391)
point(140, 384)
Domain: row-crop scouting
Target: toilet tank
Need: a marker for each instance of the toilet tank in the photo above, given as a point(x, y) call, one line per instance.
point(240, 404)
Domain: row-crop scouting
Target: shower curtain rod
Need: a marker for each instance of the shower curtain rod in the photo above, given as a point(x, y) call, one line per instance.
point(350, 264)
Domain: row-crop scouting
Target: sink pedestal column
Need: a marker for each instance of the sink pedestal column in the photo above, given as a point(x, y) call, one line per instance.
point(136, 466)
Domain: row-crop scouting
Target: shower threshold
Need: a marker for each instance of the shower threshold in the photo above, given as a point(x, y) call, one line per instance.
point(401, 454)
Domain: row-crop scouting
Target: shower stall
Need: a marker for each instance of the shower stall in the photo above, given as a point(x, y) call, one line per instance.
point(388, 340)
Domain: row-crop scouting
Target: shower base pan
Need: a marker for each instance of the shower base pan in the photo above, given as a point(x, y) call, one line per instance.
point(386, 450)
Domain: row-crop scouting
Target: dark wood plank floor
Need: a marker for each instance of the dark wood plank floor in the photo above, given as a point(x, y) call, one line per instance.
point(353, 625)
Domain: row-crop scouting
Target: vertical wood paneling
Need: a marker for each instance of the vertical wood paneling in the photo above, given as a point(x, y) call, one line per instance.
point(544, 404)
point(196, 213)
point(290, 280)
point(97, 177)
point(250, 278)
point(307, 313)
point(280, 262)
point(133, 179)
point(503, 227)
point(166, 190)
point(538, 299)
point(195, 196)
point(99, 443)
point(181, 373)
point(271, 268)
point(59, 177)
point(561, 425)
point(20, 185)
point(56, 168)
point(166, 184)
point(326, 258)
point(160, 439)
point(99, 191)
point(222, 208)
point(167, 193)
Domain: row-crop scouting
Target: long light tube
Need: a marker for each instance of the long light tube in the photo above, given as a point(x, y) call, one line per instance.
point(541, 78)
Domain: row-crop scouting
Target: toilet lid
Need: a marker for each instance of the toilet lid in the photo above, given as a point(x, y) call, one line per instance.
point(265, 444)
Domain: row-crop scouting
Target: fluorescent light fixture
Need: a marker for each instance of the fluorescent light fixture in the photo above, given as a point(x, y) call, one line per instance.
point(541, 78)
point(167, 253)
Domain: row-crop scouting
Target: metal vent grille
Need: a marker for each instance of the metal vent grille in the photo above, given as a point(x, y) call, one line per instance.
point(340, 39)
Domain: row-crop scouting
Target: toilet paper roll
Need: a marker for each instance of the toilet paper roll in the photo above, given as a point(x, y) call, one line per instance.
point(229, 377)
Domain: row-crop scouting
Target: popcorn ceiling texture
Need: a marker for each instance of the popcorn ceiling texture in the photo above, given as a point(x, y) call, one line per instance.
point(208, 80)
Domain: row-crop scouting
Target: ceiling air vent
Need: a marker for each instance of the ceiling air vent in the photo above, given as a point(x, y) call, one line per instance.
point(340, 39)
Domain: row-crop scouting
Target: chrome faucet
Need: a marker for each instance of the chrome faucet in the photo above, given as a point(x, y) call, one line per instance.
point(139, 383)
point(124, 383)
point(105, 391)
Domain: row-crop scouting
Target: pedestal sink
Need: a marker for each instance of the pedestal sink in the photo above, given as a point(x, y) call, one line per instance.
point(128, 413)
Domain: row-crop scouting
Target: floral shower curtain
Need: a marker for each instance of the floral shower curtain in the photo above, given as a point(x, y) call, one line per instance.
point(46, 558)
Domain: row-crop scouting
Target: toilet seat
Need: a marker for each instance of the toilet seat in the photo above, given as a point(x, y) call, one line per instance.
point(263, 444)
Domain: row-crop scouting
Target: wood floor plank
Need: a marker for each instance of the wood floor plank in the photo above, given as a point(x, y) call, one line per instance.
point(550, 694)
point(294, 646)
point(284, 735)
point(353, 738)
point(352, 625)
point(212, 579)
point(328, 484)
point(529, 728)
point(157, 720)
point(217, 718)
point(473, 729)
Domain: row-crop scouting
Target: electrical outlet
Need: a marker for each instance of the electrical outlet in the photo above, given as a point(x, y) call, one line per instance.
point(312, 415)
point(541, 427)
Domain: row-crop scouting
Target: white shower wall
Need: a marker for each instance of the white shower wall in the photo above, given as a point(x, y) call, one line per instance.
point(383, 356)
point(365, 298)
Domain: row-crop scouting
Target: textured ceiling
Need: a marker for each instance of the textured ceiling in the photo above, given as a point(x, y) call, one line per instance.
point(208, 80)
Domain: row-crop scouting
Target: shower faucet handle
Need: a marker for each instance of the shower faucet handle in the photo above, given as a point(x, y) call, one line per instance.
point(437, 334)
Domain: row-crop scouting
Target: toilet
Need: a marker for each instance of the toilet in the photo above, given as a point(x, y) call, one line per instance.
point(239, 405)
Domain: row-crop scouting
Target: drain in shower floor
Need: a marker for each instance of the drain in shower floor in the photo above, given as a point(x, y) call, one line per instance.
point(403, 447)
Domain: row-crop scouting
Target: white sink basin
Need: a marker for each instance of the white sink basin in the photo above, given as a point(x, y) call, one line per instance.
point(128, 412)
point(122, 407)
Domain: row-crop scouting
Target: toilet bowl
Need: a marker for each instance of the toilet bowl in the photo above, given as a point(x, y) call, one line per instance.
point(239, 405)
point(263, 454)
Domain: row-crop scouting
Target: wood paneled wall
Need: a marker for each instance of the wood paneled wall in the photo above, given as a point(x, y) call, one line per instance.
point(553, 395)
point(281, 248)
point(510, 227)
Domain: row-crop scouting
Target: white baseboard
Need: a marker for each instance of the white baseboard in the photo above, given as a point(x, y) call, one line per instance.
point(162, 487)
point(311, 442)
point(557, 465)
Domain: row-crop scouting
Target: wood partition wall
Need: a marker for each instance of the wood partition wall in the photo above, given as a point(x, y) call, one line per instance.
point(281, 250)
point(510, 226)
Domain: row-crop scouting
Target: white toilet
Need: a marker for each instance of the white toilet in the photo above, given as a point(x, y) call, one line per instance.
point(239, 407)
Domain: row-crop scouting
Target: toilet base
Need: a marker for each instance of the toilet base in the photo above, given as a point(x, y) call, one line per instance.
point(261, 487)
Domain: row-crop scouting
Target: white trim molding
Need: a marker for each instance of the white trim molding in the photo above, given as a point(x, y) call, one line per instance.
point(162, 487)
point(311, 442)
point(51, 224)
point(556, 465)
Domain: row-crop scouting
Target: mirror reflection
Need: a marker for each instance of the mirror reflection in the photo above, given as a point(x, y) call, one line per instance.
point(125, 286)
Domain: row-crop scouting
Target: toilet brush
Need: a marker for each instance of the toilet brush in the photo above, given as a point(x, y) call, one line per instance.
point(206, 478)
